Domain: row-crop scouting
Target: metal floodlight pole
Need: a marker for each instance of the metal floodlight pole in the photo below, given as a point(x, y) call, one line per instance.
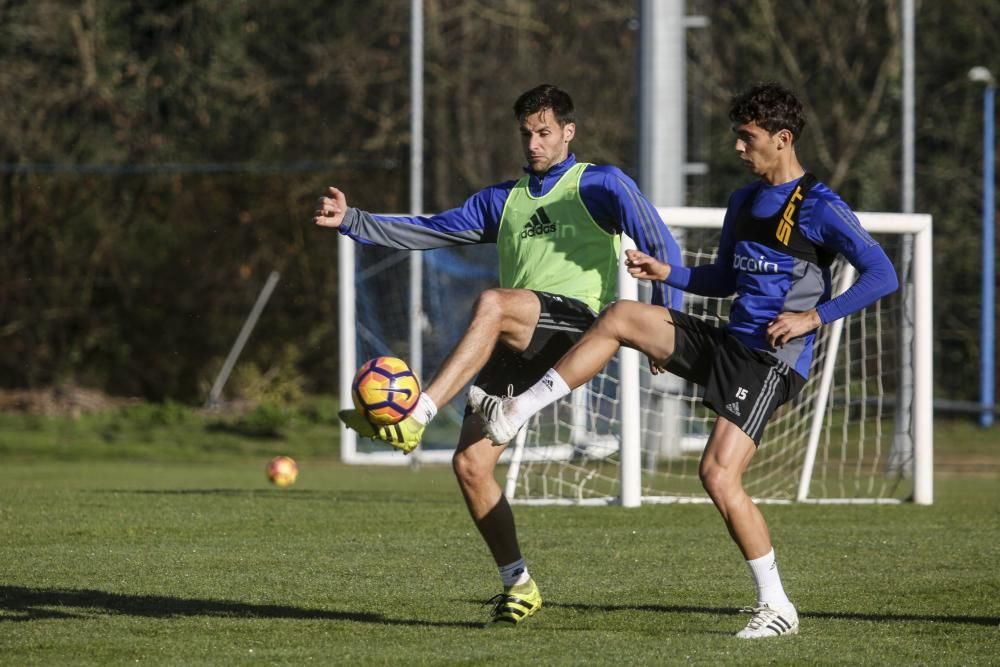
point(661, 160)
point(901, 455)
point(909, 107)
point(986, 334)
point(416, 180)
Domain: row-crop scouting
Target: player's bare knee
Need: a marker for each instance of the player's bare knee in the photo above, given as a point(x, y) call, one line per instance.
point(470, 469)
point(612, 320)
point(707, 477)
point(489, 305)
point(716, 480)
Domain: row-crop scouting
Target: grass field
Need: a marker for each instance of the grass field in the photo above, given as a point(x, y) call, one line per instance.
point(194, 559)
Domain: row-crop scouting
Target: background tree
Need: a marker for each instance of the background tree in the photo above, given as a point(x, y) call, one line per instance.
point(159, 159)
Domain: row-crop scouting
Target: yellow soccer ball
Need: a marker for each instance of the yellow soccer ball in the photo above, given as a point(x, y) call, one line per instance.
point(282, 471)
point(385, 390)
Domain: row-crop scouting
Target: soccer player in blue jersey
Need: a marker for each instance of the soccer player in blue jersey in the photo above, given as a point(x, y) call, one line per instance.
point(779, 237)
point(557, 231)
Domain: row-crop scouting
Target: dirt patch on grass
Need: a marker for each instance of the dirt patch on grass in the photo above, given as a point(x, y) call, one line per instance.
point(62, 400)
point(968, 466)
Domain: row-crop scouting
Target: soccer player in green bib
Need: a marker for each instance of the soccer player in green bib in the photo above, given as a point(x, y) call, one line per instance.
point(557, 230)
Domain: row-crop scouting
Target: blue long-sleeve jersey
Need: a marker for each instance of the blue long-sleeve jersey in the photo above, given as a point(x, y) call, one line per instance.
point(612, 199)
point(768, 276)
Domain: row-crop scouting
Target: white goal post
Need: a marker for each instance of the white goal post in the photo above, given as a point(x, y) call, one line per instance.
point(861, 431)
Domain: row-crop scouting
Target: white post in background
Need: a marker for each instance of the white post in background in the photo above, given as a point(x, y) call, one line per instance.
point(825, 384)
point(628, 392)
point(510, 487)
point(923, 348)
point(578, 415)
point(416, 359)
point(347, 320)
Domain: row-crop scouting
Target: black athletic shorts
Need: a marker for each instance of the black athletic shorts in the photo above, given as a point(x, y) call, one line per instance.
point(742, 384)
point(561, 323)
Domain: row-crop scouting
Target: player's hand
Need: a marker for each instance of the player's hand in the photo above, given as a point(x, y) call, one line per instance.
point(787, 326)
point(331, 209)
point(644, 267)
point(655, 367)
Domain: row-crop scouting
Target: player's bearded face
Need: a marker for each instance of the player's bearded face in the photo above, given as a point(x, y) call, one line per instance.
point(545, 142)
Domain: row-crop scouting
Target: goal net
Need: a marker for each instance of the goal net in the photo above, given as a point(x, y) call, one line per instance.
point(860, 430)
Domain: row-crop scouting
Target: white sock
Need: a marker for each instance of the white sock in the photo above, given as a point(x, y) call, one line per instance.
point(514, 573)
point(425, 409)
point(546, 391)
point(765, 575)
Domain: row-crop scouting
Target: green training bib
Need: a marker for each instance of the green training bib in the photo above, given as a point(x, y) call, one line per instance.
point(552, 244)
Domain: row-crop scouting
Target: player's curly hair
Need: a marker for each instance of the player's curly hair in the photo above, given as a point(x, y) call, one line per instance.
point(770, 105)
point(545, 96)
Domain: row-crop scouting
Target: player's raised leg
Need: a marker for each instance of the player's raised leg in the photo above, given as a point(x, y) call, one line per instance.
point(726, 457)
point(508, 316)
point(474, 463)
point(640, 326)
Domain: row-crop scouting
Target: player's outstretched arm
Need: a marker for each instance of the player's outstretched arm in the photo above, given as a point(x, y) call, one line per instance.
point(331, 209)
point(645, 267)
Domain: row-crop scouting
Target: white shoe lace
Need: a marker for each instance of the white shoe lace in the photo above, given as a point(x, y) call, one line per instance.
point(491, 408)
point(764, 617)
point(761, 616)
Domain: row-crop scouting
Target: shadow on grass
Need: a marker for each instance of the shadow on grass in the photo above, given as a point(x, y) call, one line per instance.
point(828, 615)
point(28, 604)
